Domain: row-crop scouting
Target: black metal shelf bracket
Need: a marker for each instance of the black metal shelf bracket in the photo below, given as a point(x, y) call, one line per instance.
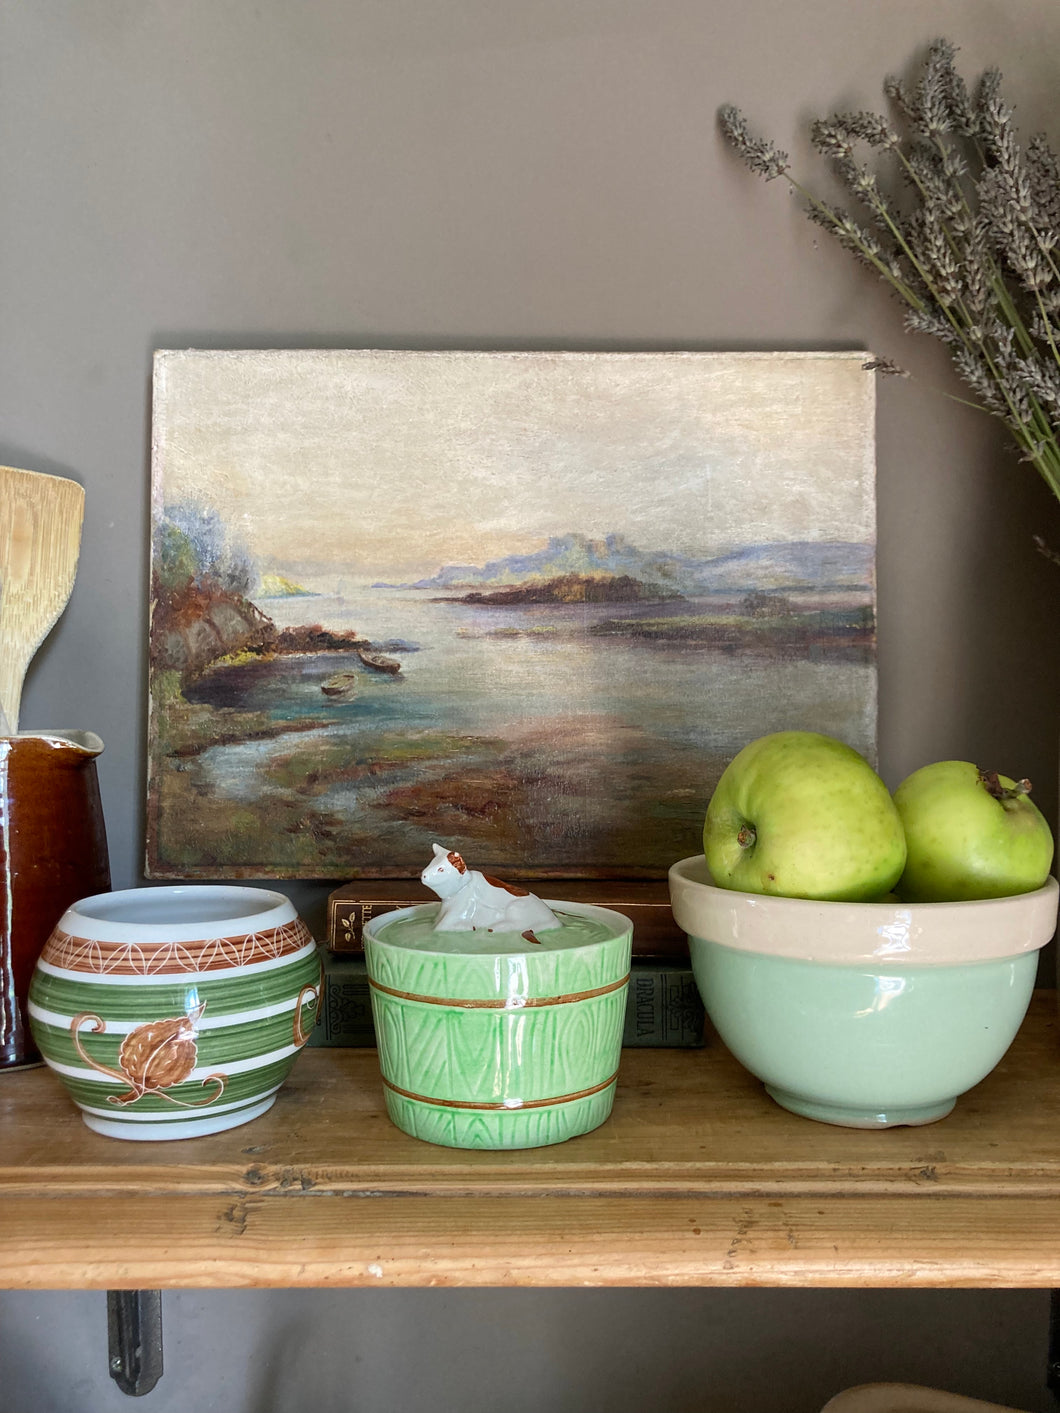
point(134, 1339)
point(1052, 1358)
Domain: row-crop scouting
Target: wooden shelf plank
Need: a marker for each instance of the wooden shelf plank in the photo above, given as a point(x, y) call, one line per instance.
point(154, 1242)
point(697, 1179)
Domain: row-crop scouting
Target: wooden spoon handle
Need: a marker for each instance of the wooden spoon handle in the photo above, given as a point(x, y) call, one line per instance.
point(40, 539)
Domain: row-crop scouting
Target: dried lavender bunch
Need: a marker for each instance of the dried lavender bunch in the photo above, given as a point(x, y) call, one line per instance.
point(969, 244)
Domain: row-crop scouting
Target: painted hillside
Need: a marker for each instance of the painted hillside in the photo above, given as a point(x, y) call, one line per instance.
point(804, 564)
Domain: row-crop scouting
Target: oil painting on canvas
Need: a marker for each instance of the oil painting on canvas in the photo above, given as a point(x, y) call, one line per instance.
point(524, 604)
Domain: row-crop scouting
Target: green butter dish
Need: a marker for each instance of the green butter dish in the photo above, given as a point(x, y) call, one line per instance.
point(498, 1015)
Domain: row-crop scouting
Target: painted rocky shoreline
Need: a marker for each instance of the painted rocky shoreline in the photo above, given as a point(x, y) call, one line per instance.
point(203, 625)
point(571, 588)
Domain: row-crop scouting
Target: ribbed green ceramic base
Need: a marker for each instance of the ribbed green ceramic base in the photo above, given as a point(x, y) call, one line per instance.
point(499, 1128)
point(491, 1040)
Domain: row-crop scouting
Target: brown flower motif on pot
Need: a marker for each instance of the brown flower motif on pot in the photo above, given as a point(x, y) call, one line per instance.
point(153, 1057)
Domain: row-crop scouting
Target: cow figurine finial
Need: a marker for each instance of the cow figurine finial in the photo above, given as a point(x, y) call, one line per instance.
point(475, 902)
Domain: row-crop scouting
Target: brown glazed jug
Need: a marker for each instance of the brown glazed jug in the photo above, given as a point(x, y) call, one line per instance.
point(53, 851)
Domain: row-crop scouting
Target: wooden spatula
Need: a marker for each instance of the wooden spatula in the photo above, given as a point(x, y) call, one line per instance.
point(40, 538)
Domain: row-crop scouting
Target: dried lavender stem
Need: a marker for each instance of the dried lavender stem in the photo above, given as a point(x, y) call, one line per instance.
point(975, 265)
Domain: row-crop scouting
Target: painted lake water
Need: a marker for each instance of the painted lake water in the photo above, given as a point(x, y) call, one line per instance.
point(511, 733)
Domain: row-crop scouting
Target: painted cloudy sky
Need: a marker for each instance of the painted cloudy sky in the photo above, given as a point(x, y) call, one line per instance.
point(375, 464)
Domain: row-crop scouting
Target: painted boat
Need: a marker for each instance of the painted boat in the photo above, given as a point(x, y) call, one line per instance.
point(378, 662)
point(343, 684)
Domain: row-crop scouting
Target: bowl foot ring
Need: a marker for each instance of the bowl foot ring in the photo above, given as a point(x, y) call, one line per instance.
point(853, 1116)
point(205, 1123)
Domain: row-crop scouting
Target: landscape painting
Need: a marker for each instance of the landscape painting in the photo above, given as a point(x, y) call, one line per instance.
point(526, 605)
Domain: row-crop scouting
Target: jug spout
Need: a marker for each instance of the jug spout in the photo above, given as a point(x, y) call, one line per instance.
point(86, 742)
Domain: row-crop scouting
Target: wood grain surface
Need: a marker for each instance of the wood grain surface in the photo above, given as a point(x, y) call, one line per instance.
point(697, 1179)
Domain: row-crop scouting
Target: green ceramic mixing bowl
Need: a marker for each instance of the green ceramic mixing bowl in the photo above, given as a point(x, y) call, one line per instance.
point(863, 1014)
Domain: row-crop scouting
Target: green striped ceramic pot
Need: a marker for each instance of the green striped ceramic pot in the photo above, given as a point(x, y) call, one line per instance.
point(487, 1040)
point(172, 1012)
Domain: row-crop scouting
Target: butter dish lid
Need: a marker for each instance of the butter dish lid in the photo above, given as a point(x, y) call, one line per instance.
point(406, 956)
point(488, 940)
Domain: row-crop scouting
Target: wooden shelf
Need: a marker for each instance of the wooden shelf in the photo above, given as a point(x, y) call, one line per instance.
point(697, 1179)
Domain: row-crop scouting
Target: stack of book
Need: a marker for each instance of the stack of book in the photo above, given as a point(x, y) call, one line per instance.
point(663, 1007)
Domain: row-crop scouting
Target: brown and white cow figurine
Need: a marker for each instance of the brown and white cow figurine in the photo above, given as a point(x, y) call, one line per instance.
point(474, 902)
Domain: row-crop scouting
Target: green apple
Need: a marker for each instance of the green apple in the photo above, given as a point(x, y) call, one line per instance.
point(970, 833)
point(803, 815)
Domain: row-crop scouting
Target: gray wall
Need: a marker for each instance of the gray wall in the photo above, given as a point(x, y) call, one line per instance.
point(518, 1351)
point(487, 174)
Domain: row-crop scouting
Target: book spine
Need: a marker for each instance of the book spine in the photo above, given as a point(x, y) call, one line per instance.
point(346, 922)
point(663, 1008)
point(345, 1018)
